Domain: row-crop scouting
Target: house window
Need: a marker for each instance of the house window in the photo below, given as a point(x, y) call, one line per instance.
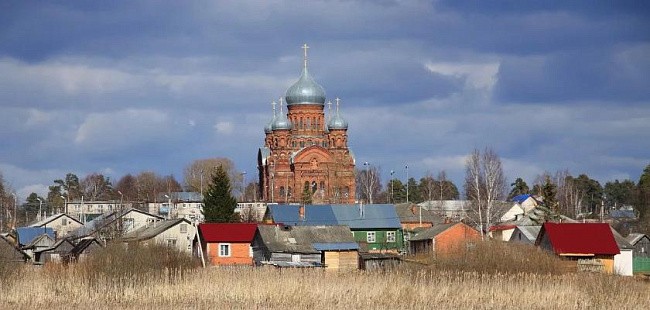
point(183, 228)
point(371, 237)
point(390, 236)
point(224, 249)
point(171, 242)
point(64, 221)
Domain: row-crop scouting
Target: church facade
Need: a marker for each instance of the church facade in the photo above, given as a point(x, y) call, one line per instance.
point(305, 151)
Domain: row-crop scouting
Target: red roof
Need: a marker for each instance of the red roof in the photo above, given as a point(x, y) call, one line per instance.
point(580, 238)
point(227, 232)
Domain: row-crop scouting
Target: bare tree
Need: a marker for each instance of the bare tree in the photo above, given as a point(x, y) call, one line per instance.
point(484, 185)
point(368, 182)
point(428, 187)
point(198, 174)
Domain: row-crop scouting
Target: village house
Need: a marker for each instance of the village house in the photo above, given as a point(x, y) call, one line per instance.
point(83, 249)
point(251, 212)
point(522, 205)
point(414, 218)
point(114, 224)
point(176, 233)
point(33, 239)
point(375, 227)
point(456, 210)
point(583, 246)
point(54, 253)
point(332, 247)
point(62, 224)
point(641, 245)
point(175, 205)
point(444, 239)
point(85, 211)
point(227, 243)
point(525, 234)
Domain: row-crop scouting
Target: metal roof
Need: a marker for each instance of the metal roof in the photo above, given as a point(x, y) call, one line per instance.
point(336, 246)
point(432, 232)
point(305, 91)
point(530, 232)
point(227, 232)
point(52, 218)
point(520, 198)
point(302, 239)
point(154, 229)
point(367, 216)
point(314, 215)
point(410, 213)
point(26, 235)
point(579, 238)
point(633, 238)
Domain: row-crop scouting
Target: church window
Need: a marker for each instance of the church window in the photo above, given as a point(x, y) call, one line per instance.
point(308, 123)
point(313, 121)
point(322, 185)
point(293, 143)
point(302, 143)
point(300, 123)
point(289, 191)
point(314, 186)
point(282, 191)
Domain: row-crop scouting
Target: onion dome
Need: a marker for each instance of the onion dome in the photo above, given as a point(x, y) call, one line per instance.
point(269, 127)
point(305, 90)
point(281, 121)
point(337, 122)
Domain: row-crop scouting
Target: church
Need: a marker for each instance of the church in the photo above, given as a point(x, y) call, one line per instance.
point(306, 151)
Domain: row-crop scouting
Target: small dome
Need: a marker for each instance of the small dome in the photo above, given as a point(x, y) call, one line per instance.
point(305, 91)
point(337, 122)
point(281, 122)
point(269, 127)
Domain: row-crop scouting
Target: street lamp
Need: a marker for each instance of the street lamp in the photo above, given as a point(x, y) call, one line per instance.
point(407, 183)
point(368, 186)
point(243, 185)
point(40, 206)
point(15, 208)
point(392, 200)
point(121, 201)
point(65, 204)
point(169, 206)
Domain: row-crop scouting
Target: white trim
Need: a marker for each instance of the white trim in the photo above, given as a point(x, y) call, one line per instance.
point(229, 247)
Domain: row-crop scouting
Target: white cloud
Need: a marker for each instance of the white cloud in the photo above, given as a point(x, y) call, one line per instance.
point(224, 127)
point(477, 75)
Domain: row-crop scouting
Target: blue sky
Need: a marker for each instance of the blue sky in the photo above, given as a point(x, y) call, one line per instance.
point(121, 87)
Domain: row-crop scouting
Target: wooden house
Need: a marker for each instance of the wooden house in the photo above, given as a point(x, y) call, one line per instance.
point(583, 246)
point(84, 248)
point(525, 234)
point(62, 224)
point(444, 239)
point(376, 227)
point(228, 243)
point(641, 245)
point(32, 239)
point(414, 218)
point(176, 233)
point(54, 253)
point(114, 224)
point(332, 247)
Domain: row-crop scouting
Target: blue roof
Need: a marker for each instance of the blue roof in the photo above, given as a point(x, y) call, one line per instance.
point(622, 214)
point(520, 198)
point(373, 216)
point(27, 234)
point(314, 215)
point(334, 246)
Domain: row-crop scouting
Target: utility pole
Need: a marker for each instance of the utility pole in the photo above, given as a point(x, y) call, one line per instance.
point(407, 183)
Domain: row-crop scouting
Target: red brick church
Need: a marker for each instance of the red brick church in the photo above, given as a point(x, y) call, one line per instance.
point(305, 148)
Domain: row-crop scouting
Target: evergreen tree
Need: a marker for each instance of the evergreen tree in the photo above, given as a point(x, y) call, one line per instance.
point(643, 200)
point(549, 192)
point(519, 187)
point(218, 203)
point(306, 195)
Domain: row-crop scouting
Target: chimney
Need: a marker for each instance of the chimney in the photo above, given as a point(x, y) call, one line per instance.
point(301, 212)
point(361, 210)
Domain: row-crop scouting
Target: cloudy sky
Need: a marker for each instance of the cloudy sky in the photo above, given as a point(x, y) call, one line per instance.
point(120, 87)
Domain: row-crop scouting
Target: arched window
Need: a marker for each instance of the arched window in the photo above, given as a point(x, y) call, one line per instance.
point(300, 124)
point(314, 186)
point(308, 125)
point(322, 185)
point(289, 191)
point(282, 191)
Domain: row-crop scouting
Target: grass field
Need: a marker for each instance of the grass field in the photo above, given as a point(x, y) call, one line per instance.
point(108, 282)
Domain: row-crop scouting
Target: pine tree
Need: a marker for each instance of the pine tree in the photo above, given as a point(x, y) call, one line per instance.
point(306, 195)
point(519, 187)
point(218, 203)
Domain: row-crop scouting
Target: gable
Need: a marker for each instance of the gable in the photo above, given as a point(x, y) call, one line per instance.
point(578, 238)
point(310, 154)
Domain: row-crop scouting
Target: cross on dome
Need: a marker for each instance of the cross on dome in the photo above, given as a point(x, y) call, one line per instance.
point(305, 47)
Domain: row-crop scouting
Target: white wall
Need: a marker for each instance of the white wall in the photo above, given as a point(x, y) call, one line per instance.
point(623, 263)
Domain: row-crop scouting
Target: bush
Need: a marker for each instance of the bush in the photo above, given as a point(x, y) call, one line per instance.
point(136, 264)
point(500, 257)
point(11, 267)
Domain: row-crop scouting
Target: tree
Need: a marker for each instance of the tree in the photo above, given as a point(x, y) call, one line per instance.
point(218, 203)
point(70, 186)
point(414, 194)
point(549, 192)
point(96, 186)
point(128, 186)
point(643, 198)
point(484, 184)
point(306, 197)
point(368, 183)
point(195, 175)
point(447, 189)
point(398, 191)
point(519, 187)
point(618, 194)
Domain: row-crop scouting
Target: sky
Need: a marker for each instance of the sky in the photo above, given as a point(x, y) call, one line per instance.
point(119, 87)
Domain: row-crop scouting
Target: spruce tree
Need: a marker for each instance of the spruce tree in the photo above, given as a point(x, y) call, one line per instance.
point(218, 203)
point(306, 198)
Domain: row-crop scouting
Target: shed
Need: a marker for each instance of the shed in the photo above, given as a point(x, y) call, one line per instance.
point(641, 245)
point(624, 261)
point(54, 253)
point(525, 234)
point(444, 239)
point(228, 243)
point(177, 233)
point(583, 246)
point(84, 248)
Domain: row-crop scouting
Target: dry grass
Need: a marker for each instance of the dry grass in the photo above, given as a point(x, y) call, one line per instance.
point(247, 288)
point(409, 287)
